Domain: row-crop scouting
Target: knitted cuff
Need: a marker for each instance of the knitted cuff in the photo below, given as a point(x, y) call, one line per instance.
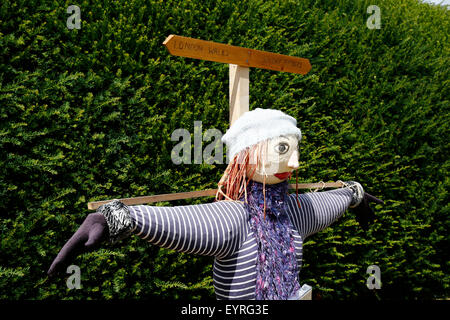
point(358, 192)
point(117, 217)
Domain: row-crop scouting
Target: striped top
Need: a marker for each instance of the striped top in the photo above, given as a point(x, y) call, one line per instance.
point(221, 229)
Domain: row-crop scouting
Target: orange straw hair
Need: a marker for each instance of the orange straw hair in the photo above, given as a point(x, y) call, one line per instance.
point(233, 183)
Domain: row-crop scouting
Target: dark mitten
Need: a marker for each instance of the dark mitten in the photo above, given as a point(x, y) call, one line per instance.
point(364, 214)
point(91, 233)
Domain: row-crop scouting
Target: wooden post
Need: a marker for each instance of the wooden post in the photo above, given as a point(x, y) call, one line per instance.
point(239, 91)
point(306, 292)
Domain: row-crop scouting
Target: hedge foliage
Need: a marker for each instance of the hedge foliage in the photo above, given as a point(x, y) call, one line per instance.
point(87, 114)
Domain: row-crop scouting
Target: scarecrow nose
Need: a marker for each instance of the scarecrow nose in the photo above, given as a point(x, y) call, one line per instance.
point(293, 160)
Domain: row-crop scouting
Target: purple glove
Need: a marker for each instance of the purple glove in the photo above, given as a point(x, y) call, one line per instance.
point(91, 233)
point(364, 214)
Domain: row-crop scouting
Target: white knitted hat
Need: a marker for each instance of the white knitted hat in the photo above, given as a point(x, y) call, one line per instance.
point(256, 126)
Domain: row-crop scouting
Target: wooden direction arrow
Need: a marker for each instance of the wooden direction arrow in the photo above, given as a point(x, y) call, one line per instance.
point(244, 57)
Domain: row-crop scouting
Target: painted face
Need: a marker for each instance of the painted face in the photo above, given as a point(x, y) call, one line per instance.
point(279, 159)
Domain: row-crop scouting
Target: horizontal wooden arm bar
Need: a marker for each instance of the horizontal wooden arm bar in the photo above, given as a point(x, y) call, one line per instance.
point(203, 193)
point(157, 198)
point(317, 185)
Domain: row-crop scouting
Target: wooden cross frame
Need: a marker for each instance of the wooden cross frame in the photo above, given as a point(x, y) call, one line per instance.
point(240, 61)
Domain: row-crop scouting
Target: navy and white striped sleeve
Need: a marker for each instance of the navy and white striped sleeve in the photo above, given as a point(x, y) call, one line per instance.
point(318, 210)
point(212, 229)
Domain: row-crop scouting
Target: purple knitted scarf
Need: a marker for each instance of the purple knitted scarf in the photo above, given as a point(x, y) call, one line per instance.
point(276, 269)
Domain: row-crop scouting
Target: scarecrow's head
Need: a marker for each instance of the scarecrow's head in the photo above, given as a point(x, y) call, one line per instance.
point(263, 146)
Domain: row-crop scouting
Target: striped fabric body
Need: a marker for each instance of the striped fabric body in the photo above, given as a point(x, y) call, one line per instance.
point(221, 229)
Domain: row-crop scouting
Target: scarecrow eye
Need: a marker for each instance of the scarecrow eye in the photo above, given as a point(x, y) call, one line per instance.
point(282, 148)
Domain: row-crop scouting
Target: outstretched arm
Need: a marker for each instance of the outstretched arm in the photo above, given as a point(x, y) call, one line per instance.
point(213, 229)
point(318, 210)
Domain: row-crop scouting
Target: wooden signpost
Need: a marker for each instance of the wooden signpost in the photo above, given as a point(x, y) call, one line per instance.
point(240, 61)
point(225, 53)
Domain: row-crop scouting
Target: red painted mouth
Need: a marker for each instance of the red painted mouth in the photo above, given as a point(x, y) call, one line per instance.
point(283, 175)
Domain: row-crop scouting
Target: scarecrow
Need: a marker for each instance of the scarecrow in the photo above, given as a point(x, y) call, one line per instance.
point(255, 229)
